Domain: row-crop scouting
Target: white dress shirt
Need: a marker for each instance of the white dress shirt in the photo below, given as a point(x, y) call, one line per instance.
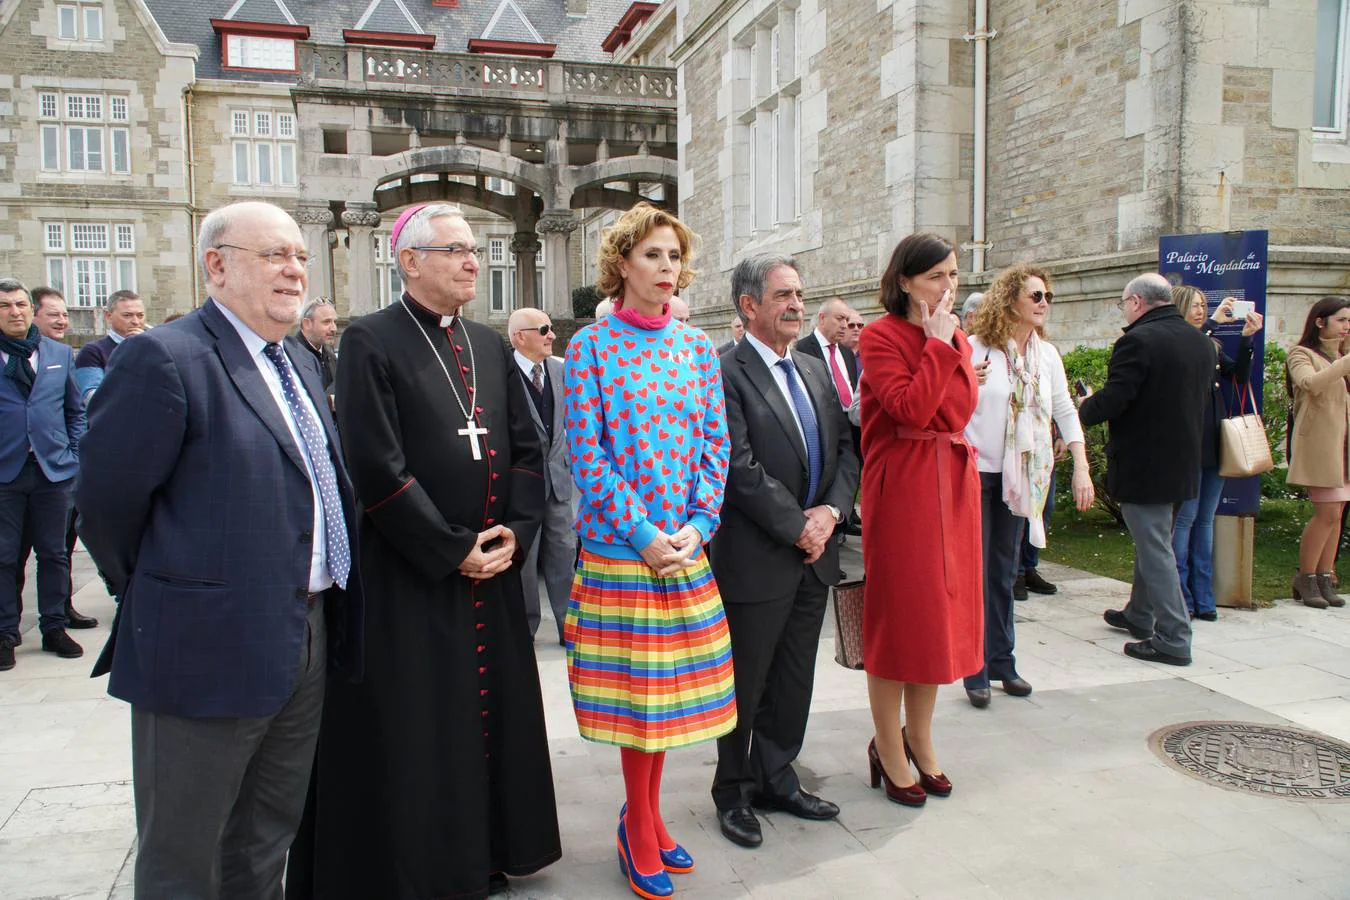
point(989, 423)
point(527, 365)
point(780, 377)
point(319, 577)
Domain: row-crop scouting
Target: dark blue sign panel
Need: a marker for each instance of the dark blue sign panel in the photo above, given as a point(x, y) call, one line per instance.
point(1226, 264)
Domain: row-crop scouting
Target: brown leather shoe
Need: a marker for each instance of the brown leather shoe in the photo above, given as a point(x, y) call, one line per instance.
point(1305, 589)
point(1328, 590)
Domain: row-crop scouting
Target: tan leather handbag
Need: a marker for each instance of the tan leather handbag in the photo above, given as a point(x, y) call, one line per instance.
point(848, 624)
point(1243, 448)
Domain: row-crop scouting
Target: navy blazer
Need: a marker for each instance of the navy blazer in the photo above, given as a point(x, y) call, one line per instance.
point(196, 505)
point(50, 420)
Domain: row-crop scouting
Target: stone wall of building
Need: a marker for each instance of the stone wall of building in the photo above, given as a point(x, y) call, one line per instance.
point(131, 62)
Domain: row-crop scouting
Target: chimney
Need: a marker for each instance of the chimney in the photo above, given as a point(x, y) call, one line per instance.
point(576, 7)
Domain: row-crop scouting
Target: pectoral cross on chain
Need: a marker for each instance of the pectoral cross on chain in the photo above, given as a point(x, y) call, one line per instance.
point(472, 431)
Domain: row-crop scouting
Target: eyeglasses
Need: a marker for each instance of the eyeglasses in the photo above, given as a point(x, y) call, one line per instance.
point(478, 253)
point(1120, 304)
point(543, 330)
point(277, 258)
point(856, 326)
point(1038, 296)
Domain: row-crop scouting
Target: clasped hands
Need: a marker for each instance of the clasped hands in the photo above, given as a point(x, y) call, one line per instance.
point(816, 532)
point(483, 562)
point(670, 554)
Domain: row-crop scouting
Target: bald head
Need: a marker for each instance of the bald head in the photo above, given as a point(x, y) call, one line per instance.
point(832, 320)
point(531, 333)
point(1144, 293)
point(603, 308)
point(679, 309)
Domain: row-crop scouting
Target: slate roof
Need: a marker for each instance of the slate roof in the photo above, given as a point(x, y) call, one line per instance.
point(578, 37)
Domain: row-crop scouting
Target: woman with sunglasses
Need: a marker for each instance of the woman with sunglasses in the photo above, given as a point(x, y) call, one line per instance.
point(1193, 531)
point(1024, 391)
point(1318, 380)
point(648, 650)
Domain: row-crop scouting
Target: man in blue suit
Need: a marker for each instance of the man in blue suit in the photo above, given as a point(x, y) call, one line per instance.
point(214, 500)
point(41, 423)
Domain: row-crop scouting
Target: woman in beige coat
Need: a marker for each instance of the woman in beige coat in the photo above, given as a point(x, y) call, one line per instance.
point(1319, 455)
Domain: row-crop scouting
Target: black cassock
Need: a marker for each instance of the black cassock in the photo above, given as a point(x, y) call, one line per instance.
point(433, 771)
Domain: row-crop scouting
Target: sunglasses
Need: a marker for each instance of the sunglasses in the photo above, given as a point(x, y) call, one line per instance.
point(1038, 296)
point(542, 330)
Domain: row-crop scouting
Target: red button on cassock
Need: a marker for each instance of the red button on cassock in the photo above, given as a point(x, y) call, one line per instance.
point(491, 521)
point(480, 626)
point(494, 476)
point(492, 499)
point(478, 409)
point(485, 713)
point(492, 453)
point(478, 604)
point(481, 648)
point(482, 670)
point(483, 692)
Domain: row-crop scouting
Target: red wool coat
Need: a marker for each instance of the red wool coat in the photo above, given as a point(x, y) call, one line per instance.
point(923, 607)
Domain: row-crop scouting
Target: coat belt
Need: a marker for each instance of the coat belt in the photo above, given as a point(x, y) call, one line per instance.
point(944, 482)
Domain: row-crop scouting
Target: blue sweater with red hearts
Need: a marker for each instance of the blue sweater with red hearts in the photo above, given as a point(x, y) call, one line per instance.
point(647, 427)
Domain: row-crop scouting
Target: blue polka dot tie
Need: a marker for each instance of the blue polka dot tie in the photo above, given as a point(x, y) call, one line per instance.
point(316, 445)
point(810, 428)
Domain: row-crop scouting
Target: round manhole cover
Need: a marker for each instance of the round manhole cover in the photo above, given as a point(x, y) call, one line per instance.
point(1258, 759)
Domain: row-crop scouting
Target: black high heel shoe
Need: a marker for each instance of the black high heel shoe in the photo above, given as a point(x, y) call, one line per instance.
point(933, 784)
point(910, 795)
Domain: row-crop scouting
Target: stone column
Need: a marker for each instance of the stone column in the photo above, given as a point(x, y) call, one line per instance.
point(557, 225)
point(361, 217)
point(316, 219)
point(525, 245)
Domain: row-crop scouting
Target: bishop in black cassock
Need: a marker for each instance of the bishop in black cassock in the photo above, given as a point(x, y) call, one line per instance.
point(433, 775)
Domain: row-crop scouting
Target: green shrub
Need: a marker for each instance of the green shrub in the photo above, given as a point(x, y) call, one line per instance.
point(584, 300)
point(1089, 364)
point(1275, 410)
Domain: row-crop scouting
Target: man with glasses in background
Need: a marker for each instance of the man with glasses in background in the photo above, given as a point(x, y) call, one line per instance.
point(553, 554)
point(215, 502)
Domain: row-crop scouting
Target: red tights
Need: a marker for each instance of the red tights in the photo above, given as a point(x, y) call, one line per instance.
point(647, 833)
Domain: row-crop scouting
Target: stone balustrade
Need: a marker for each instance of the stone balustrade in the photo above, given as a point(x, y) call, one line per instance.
point(509, 77)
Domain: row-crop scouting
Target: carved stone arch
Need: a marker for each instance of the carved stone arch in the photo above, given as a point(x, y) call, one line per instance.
point(440, 191)
point(464, 159)
point(625, 168)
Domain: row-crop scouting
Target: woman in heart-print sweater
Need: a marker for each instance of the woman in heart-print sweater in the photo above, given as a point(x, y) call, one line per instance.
point(648, 651)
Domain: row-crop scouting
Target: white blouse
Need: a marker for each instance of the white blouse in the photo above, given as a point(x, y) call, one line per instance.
point(990, 421)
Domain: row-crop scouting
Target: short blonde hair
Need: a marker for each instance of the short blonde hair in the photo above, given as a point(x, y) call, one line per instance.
point(996, 319)
point(1185, 296)
point(631, 229)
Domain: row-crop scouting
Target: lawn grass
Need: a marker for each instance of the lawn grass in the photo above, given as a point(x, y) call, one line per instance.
point(1093, 542)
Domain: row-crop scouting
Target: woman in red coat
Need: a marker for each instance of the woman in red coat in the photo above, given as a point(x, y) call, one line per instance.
point(923, 616)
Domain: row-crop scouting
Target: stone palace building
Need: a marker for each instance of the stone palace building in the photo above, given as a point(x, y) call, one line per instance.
point(1070, 133)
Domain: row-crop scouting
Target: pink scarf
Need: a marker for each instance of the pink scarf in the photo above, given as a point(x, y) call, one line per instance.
point(638, 320)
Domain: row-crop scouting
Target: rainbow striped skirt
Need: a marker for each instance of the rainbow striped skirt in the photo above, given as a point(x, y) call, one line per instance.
point(648, 658)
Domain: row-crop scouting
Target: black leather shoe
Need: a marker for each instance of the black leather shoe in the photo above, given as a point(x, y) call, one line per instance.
point(853, 529)
point(800, 804)
point(1148, 653)
point(1208, 616)
point(63, 645)
point(497, 883)
point(740, 826)
point(1016, 687)
point(6, 652)
point(979, 697)
point(79, 620)
point(1020, 588)
point(1038, 585)
point(1116, 619)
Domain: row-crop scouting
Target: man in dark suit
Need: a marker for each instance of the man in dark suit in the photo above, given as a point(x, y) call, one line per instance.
point(737, 335)
point(829, 343)
point(554, 551)
point(793, 471)
point(41, 424)
point(318, 331)
point(1157, 385)
point(215, 503)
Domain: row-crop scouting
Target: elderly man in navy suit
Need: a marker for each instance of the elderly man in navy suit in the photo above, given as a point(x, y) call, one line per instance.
point(214, 500)
point(41, 423)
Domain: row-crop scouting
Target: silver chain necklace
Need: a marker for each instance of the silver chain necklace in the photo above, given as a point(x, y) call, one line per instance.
point(471, 431)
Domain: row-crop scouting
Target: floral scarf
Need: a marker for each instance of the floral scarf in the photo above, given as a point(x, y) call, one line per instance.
point(1028, 450)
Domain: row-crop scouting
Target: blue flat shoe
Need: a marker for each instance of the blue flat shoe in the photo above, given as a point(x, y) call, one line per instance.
point(677, 860)
point(649, 887)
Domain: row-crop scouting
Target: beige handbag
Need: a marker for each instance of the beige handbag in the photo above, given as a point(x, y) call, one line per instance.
point(1243, 447)
point(848, 624)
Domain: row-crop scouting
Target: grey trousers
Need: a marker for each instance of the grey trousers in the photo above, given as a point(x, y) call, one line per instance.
point(1156, 603)
point(554, 556)
point(219, 800)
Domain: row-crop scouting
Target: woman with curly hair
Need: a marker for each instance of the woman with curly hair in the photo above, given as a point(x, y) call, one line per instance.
point(1193, 530)
point(648, 650)
point(1318, 380)
point(1010, 430)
